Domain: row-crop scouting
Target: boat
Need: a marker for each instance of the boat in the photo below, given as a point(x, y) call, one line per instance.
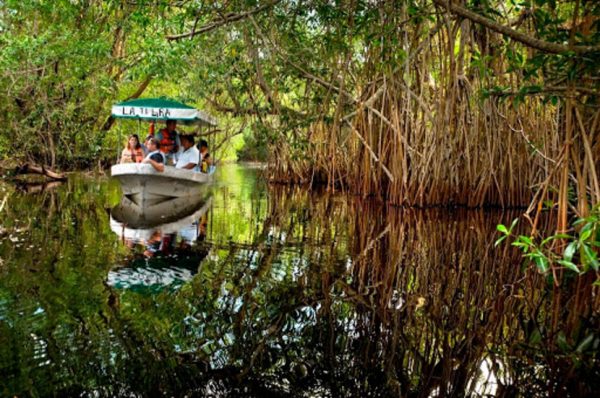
point(145, 186)
point(140, 182)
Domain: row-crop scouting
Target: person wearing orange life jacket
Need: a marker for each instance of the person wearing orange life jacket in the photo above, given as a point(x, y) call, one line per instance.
point(133, 152)
point(169, 141)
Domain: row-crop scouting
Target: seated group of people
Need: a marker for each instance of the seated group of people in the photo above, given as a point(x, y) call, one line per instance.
point(168, 147)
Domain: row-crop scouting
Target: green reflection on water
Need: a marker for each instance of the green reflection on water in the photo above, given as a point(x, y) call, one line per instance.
point(285, 292)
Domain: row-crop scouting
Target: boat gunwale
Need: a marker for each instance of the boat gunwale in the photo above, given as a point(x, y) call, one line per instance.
point(144, 169)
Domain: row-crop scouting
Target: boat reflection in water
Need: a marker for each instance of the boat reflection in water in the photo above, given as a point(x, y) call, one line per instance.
point(164, 242)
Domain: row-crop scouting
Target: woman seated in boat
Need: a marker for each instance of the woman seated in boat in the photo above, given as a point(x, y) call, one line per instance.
point(205, 159)
point(133, 151)
point(188, 155)
point(155, 157)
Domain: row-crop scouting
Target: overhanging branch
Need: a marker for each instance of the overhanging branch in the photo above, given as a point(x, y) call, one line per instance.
point(140, 90)
point(542, 45)
point(227, 19)
point(546, 90)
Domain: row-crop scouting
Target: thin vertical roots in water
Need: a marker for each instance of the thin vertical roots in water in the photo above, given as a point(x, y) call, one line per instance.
point(449, 127)
point(486, 153)
point(444, 126)
point(397, 302)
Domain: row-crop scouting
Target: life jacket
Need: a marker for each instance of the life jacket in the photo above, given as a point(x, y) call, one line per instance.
point(138, 153)
point(135, 156)
point(166, 139)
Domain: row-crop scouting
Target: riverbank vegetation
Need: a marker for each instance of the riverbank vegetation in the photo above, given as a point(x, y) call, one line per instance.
point(417, 103)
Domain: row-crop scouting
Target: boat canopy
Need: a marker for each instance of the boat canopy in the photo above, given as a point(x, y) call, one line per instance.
point(154, 109)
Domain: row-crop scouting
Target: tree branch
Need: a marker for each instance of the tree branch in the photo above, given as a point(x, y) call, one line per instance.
point(229, 18)
point(254, 110)
point(140, 90)
point(29, 168)
point(542, 45)
point(546, 90)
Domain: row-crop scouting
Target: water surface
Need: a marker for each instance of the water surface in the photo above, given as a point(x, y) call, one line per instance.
point(268, 290)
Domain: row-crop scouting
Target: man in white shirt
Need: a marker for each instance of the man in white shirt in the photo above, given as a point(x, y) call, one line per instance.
point(188, 156)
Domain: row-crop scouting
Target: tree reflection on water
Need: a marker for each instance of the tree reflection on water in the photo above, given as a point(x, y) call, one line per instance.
point(290, 293)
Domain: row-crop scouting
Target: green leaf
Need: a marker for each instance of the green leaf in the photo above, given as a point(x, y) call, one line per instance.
point(562, 236)
point(548, 239)
point(561, 341)
point(585, 235)
point(535, 337)
point(524, 242)
point(585, 344)
point(523, 246)
point(569, 265)
point(502, 228)
point(526, 239)
point(541, 262)
point(590, 257)
point(570, 251)
point(513, 224)
point(500, 240)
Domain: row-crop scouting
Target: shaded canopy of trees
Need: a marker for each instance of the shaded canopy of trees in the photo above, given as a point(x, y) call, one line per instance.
point(422, 102)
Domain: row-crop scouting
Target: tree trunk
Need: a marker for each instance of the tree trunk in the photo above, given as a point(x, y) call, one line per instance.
point(29, 168)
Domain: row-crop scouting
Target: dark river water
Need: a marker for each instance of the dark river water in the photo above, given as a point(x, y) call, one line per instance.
point(258, 290)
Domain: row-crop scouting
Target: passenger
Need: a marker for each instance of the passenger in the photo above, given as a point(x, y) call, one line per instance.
point(133, 152)
point(205, 159)
point(145, 145)
point(155, 157)
point(189, 155)
point(169, 141)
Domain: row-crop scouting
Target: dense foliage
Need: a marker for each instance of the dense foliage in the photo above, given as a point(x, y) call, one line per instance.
point(64, 62)
point(295, 68)
point(417, 102)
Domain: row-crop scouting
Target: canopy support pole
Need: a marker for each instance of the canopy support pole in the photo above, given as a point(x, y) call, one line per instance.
point(118, 147)
point(212, 148)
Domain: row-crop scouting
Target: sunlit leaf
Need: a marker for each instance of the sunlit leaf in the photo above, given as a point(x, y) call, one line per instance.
point(570, 250)
point(502, 228)
point(541, 262)
point(569, 265)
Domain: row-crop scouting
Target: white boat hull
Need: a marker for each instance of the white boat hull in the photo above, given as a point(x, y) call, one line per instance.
point(167, 217)
point(146, 186)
